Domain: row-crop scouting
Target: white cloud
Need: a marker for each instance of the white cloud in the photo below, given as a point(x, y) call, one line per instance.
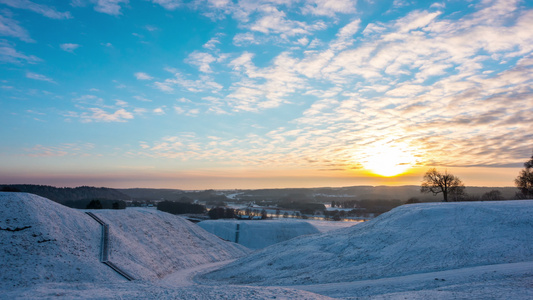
point(188, 112)
point(416, 20)
point(183, 100)
point(10, 55)
point(303, 41)
point(276, 22)
point(10, 27)
point(38, 8)
point(64, 149)
point(99, 115)
point(141, 98)
point(69, 47)
point(165, 86)
point(169, 4)
point(122, 103)
point(345, 35)
point(40, 77)
point(159, 111)
point(244, 39)
point(110, 7)
point(202, 60)
point(212, 43)
point(204, 83)
point(143, 76)
point(329, 7)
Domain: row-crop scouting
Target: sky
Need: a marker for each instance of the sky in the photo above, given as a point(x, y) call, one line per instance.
point(264, 94)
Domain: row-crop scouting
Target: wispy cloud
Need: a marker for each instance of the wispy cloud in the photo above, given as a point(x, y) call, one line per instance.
point(329, 7)
point(169, 4)
point(9, 54)
point(110, 7)
point(40, 77)
point(204, 83)
point(42, 9)
point(65, 149)
point(159, 111)
point(10, 27)
point(202, 60)
point(432, 86)
point(69, 47)
point(143, 76)
point(99, 115)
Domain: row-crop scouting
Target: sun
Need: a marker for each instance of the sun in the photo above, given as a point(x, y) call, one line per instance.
point(388, 161)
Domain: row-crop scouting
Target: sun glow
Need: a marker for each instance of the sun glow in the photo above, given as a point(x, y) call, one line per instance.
point(388, 161)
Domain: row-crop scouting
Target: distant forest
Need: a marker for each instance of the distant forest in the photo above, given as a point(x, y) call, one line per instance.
point(78, 197)
point(374, 198)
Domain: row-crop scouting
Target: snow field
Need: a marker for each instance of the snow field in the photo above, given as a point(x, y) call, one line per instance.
point(408, 240)
point(42, 241)
point(423, 251)
point(59, 244)
point(150, 244)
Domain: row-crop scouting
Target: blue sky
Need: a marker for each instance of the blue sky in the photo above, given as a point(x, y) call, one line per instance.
point(248, 94)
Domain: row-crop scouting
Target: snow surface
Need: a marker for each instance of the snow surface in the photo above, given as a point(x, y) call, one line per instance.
point(62, 244)
point(503, 281)
point(408, 240)
point(150, 244)
point(48, 250)
point(425, 251)
point(325, 226)
point(256, 234)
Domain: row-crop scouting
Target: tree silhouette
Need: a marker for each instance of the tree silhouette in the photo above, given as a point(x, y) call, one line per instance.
point(436, 182)
point(524, 181)
point(94, 204)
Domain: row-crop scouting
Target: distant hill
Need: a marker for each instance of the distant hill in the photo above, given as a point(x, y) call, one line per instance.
point(152, 194)
point(327, 194)
point(65, 195)
point(323, 194)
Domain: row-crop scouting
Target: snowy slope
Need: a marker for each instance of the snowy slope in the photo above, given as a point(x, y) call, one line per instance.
point(42, 241)
point(48, 251)
point(259, 233)
point(150, 244)
point(407, 240)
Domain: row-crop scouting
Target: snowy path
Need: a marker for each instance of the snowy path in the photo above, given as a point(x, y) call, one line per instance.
point(459, 280)
point(183, 278)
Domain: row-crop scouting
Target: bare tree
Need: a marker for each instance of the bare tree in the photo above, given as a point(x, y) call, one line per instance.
point(436, 182)
point(524, 181)
point(492, 196)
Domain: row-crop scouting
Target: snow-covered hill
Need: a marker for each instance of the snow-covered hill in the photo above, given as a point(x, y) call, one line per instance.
point(407, 240)
point(42, 241)
point(150, 244)
point(424, 251)
point(258, 234)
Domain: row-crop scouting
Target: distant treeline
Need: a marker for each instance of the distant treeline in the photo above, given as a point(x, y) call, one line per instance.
point(180, 207)
point(96, 204)
point(78, 197)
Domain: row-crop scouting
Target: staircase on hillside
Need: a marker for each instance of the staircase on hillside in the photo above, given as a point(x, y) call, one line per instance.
point(104, 248)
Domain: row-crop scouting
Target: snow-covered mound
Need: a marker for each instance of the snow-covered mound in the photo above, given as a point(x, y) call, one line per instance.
point(407, 240)
point(150, 244)
point(258, 234)
point(42, 241)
